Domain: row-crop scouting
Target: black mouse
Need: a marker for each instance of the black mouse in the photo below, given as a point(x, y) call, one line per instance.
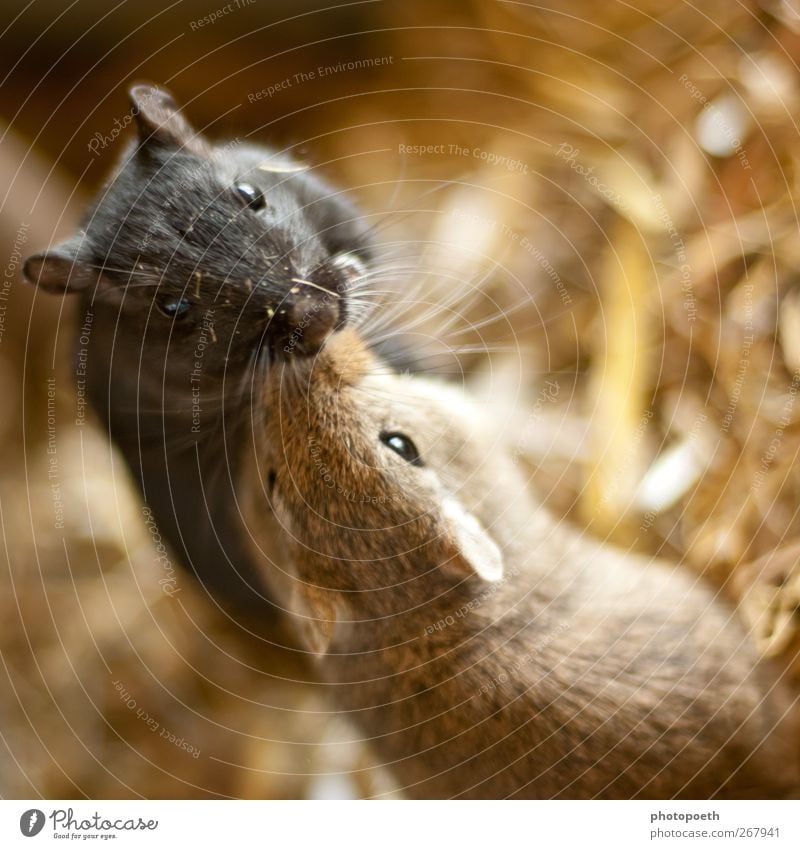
point(191, 262)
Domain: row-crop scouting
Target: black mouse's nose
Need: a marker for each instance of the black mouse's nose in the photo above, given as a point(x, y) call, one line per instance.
point(299, 324)
point(303, 306)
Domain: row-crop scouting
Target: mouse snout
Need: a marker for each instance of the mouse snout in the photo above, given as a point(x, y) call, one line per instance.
point(307, 315)
point(312, 316)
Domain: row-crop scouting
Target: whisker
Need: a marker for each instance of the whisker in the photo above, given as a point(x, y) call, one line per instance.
point(315, 286)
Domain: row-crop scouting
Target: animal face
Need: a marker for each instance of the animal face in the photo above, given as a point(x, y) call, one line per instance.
point(191, 239)
point(362, 473)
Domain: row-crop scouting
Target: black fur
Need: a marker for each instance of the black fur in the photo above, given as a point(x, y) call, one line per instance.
point(174, 391)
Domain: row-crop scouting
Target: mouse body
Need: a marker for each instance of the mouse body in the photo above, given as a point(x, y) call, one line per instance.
point(188, 254)
point(483, 648)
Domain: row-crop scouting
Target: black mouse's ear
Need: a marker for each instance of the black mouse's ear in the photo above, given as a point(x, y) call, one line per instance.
point(159, 121)
point(59, 269)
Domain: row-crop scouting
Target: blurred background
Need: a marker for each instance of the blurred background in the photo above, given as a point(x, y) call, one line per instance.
point(605, 197)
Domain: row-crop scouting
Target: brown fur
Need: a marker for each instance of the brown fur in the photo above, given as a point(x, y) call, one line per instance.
point(582, 672)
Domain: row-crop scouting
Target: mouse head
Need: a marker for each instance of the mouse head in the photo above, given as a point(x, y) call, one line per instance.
point(188, 235)
point(376, 486)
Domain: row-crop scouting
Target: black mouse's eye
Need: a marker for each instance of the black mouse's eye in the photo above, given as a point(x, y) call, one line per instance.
point(271, 477)
point(402, 445)
point(349, 265)
point(250, 196)
point(175, 308)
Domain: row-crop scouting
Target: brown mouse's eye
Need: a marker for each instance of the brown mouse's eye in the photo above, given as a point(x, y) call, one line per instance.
point(175, 308)
point(401, 445)
point(250, 196)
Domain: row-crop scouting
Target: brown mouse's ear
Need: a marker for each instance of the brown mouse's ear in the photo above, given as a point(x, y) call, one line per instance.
point(315, 614)
point(59, 269)
point(159, 121)
point(468, 547)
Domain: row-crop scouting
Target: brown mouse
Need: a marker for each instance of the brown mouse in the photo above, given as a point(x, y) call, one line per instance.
point(485, 649)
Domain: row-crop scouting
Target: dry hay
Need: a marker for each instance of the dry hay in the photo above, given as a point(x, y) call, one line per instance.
point(626, 261)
